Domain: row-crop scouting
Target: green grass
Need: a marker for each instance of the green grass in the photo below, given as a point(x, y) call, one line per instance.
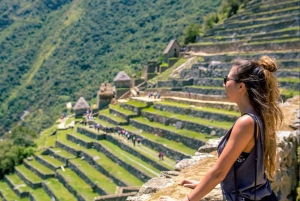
point(291, 79)
point(78, 184)
point(168, 143)
point(184, 132)
point(16, 180)
point(28, 174)
point(205, 87)
point(44, 139)
point(69, 120)
point(81, 136)
point(103, 123)
point(106, 163)
point(149, 153)
point(130, 159)
point(59, 190)
point(275, 41)
point(40, 194)
point(289, 92)
point(111, 116)
point(51, 160)
point(225, 125)
point(105, 183)
point(121, 110)
point(43, 169)
point(7, 192)
point(63, 153)
point(136, 104)
point(204, 109)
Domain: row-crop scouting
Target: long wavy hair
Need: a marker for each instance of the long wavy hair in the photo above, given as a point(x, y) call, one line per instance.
point(264, 95)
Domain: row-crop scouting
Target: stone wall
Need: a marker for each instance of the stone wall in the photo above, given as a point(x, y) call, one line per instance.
point(62, 180)
point(190, 142)
point(284, 185)
point(45, 163)
point(98, 167)
point(128, 149)
point(79, 141)
point(195, 113)
point(37, 172)
point(174, 154)
point(174, 83)
point(132, 108)
point(111, 121)
point(122, 115)
point(67, 148)
point(91, 134)
point(59, 157)
point(27, 180)
point(120, 92)
point(48, 190)
point(121, 197)
point(84, 177)
point(21, 194)
point(195, 90)
point(130, 168)
point(193, 126)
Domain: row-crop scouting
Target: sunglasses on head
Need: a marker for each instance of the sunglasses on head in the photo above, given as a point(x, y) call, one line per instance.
point(227, 79)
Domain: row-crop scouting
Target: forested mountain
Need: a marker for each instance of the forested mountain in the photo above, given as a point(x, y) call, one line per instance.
point(54, 51)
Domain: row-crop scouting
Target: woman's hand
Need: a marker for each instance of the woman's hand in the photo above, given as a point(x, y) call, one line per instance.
point(189, 183)
point(166, 198)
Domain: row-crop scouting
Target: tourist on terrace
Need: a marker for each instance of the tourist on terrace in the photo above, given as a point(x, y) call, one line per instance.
point(247, 152)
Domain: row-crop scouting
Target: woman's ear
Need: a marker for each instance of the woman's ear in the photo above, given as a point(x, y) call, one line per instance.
point(242, 86)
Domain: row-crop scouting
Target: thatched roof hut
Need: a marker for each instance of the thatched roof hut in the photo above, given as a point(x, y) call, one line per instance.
point(80, 107)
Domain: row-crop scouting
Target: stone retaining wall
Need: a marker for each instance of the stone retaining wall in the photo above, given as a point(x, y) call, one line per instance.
point(37, 172)
point(174, 154)
point(111, 121)
point(16, 190)
point(189, 73)
point(195, 90)
point(85, 178)
point(121, 197)
point(130, 168)
point(67, 148)
point(98, 167)
point(174, 83)
point(31, 197)
point(79, 141)
point(62, 180)
point(190, 142)
point(208, 82)
point(48, 190)
point(197, 127)
point(120, 114)
point(132, 108)
point(46, 163)
point(91, 134)
point(195, 113)
point(27, 181)
point(128, 149)
point(58, 157)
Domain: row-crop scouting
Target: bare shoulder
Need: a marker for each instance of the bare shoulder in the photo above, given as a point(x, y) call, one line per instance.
point(243, 126)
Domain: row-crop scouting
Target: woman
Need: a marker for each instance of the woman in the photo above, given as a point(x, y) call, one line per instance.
point(252, 86)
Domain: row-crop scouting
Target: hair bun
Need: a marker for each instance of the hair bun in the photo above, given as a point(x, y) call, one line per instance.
point(268, 64)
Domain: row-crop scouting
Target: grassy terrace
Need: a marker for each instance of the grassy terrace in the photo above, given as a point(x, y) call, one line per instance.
point(51, 160)
point(28, 174)
point(105, 183)
point(136, 103)
point(16, 181)
point(225, 125)
point(205, 87)
point(59, 190)
point(110, 166)
point(8, 193)
point(130, 159)
point(294, 80)
point(81, 136)
point(184, 132)
point(41, 168)
point(204, 109)
point(121, 110)
point(40, 194)
point(275, 41)
point(149, 153)
point(111, 116)
point(78, 184)
point(63, 153)
point(102, 122)
point(168, 143)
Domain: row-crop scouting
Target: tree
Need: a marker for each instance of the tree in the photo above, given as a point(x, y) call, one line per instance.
point(22, 136)
point(190, 33)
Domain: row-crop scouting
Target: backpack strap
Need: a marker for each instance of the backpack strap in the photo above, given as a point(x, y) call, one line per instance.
point(256, 131)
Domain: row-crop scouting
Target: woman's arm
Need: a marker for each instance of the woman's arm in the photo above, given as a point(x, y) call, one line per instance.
point(241, 136)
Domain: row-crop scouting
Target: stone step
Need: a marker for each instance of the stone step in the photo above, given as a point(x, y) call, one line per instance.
point(57, 190)
point(31, 179)
point(17, 184)
point(39, 194)
point(6, 192)
point(49, 161)
point(60, 154)
point(39, 169)
point(112, 119)
point(198, 112)
point(196, 124)
point(121, 112)
point(75, 185)
point(94, 133)
point(136, 166)
point(174, 83)
point(207, 90)
point(105, 165)
point(134, 106)
point(144, 153)
point(80, 139)
point(173, 150)
point(189, 138)
point(102, 184)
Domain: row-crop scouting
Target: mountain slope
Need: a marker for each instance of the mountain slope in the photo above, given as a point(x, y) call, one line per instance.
point(54, 51)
